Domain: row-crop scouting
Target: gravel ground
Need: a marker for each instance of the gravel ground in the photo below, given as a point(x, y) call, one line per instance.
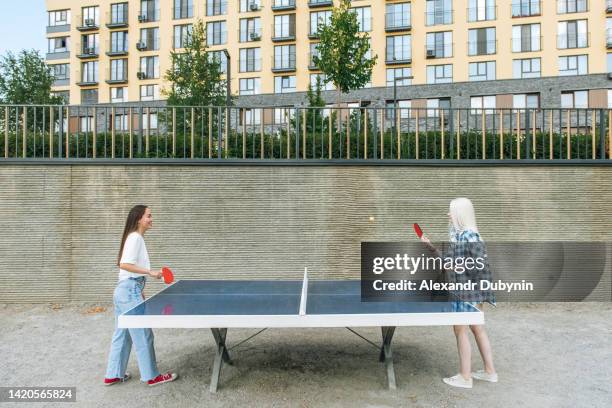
point(547, 355)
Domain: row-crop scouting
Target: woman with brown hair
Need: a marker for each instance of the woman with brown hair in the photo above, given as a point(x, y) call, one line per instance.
point(134, 267)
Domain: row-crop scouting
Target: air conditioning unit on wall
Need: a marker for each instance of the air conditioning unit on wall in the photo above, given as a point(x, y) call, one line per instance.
point(431, 54)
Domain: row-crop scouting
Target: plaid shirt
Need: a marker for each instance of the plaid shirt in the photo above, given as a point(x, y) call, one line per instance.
point(469, 244)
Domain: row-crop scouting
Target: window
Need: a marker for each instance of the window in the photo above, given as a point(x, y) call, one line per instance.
point(573, 65)
point(221, 58)
point(609, 98)
point(329, 86)
point(399, 48)
point(249, 5)
point(481, 41)
point(182, 34)
point(183, 9)
point(284, 26)
point(283, 3)
point(403, 106)
point(149, 10)
point(250, 59)
point(438, 12)
point(281, 115)
point(119, 95)
point(314, 51)
point(526, 101)
point(60, 71)
point(439, 74)
point(58, 44)
point(120, 121)
point(575, 100)
point(284, 84)
point(86, 123)
point(397, 15)
point(149, 37)
point(58, 18)
point(526, 38)
point(434, 106)
point(249, 86)
point(216, 7)
point(481, 10)
point(439, 45)
point(318, 18)
point(284, 57)
point(89, 96)
point(149, 121)
point(252, 116)
point(572, 34)
point(119, 13)
point(89, 73)
point(216, 33)
point(149, 92)
point(119, 41)
point(364, 18)
point(90, 45)
point(149, 67)
point(525, 8)
point(609, 56)
point(118, 70)
point(250, 29)
point(90, 17)
point(482, 71)
point(393, 73)
point(609, 31)
point(480, 103)
point(571, 6)
point(526, 68)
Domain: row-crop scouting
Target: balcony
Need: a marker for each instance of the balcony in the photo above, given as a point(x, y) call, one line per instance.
point(179, 13)
point(62, 28)
point(283, 5)
point(578, 40)
point(148, 16)
point(250, 35)
point(482, 47)
point(280, 64)
point(481, 14)
point(88, 24)
point(439, 50)
point(398, 56)
point(526, 8)
point(119, 79)
point(57, 54)
point(397, 22)
point(117, 20)
point(117, 49)
point(283, 32)
point(90, 80)
point(439, 17)
point(320, 3)
point(88, 52)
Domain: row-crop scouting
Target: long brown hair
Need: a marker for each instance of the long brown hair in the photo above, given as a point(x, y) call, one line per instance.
point(131, 225)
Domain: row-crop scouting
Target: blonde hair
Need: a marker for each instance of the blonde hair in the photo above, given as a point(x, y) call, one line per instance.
point(462, 214)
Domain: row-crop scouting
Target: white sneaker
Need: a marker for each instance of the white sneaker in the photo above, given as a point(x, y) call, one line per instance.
point(458, 381)
point(482, 375)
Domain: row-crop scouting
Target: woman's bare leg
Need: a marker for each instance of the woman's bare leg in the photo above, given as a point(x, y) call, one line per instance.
point(484, 346)
point(465, 351)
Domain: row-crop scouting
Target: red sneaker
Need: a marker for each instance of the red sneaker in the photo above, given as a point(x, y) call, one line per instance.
point(162, 378)
point(111, 381)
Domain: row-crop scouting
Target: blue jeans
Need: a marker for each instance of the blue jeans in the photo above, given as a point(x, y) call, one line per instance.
point(128, 294)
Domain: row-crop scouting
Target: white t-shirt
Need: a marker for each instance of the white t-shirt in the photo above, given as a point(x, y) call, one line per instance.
point(134, 252)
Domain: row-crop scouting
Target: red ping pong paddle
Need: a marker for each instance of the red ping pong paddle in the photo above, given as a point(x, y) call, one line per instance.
point(167, 275)
point(418, 230)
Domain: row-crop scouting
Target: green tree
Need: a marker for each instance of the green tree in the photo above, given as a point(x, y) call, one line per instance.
point(342, 52)
point(195, 76)
point(26, 79)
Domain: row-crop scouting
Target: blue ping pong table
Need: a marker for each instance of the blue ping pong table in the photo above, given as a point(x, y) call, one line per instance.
point(221, 304)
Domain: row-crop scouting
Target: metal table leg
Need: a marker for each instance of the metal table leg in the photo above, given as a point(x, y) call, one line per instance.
point(386, 355)
point(221, 356)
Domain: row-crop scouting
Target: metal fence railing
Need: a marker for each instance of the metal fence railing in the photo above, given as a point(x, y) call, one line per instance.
point(330, 133)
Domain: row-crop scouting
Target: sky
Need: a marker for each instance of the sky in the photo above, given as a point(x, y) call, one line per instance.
point(22, 25)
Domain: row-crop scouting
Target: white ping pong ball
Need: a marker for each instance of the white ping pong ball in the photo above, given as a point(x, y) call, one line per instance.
point(371, 219)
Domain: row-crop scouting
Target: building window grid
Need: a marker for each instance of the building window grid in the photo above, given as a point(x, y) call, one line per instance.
point(393, 73)
point(118, 69)
point(182, 34)
point(526, 8)
point(249, 86)
point(149, 66)
point(216, 7)
point(183, 9)
point(572, 34)
point(250, 29)
point(439, 74)
point(398, 15)
point(119, 13)
point(526, 38)
point(216, 33)
point(439, 44)
point(572, 6)
point(318, 18)
point(526, 68)
point(438, 12)
point(399, 48)
point(250, 59)
point(482, 41)
point(149, 37)
point(573, 65)
point(284, 84)
point(119, 41)
point(482, 71)
point(60, 71)
point(90, 16)
point(58, 18)
point(89, 73)
point(284, 57)
point(481, 10)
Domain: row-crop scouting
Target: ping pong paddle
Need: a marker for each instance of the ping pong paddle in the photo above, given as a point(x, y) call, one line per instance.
point(418, 230)
point(168, 309)
point(167, 275)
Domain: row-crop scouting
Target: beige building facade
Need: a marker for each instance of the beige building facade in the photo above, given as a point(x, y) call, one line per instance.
point(108, 51)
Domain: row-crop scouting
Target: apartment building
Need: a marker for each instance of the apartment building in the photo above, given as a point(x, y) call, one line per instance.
point(462, 53)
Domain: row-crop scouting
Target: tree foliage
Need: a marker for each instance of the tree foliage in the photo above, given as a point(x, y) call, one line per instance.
point(26, 79)
point(195, 76)
point(342, 52)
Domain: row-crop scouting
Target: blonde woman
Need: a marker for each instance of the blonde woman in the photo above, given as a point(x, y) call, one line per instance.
point(466, 242)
